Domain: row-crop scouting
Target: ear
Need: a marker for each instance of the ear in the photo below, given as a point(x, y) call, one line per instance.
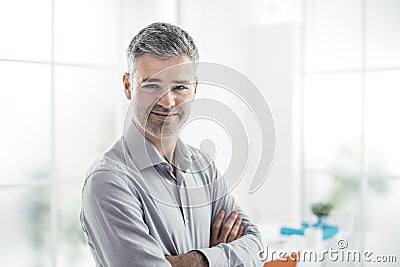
point(127, 85)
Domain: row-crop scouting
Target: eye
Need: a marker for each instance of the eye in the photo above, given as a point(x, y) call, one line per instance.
point(151, 86)
point(179, 87)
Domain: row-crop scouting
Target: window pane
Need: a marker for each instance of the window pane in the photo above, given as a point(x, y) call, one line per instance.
point(25, 116)
point(382, 122)
point(344, 192)
point(333, 34)
point(383, 38)
point(382, 231)
point(25, 227)
point(25, 28)
point(332, 122)
point(85, 117)
point(87, 32)
point(72, 246)
point(132, 21)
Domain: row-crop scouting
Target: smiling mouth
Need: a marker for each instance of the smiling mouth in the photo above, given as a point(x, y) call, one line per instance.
point(164, 115)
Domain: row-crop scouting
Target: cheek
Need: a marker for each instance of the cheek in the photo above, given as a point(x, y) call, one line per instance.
point(185, 102)
point(144, 101)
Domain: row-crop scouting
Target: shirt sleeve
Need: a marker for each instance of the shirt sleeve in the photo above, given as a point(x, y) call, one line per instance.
point(244, 251)
point(112, 219)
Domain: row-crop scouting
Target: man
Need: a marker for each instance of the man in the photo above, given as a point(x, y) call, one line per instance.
point(151, 200)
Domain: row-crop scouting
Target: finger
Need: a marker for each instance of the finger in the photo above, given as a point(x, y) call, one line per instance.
point(241, 230)
point(235, 230)
point(215, 229)
point(227, 227)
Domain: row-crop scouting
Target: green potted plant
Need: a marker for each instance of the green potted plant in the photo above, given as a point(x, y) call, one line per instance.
point(321, 210)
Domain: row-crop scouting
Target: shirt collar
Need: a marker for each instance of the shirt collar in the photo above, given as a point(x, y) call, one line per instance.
point(182, 156)
point(144, 154)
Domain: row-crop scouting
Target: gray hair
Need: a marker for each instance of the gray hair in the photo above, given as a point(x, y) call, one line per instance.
point(162, 40)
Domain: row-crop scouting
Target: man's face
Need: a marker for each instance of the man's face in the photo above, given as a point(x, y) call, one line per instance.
point(163, 93)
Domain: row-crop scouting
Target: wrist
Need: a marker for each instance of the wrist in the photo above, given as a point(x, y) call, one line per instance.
point(200, 258)
point(192, 258)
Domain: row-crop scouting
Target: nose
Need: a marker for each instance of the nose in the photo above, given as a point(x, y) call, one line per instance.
point(167, 100)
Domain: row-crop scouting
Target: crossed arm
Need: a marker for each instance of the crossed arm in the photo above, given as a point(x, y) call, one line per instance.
point(231, 230)
point(109, 209)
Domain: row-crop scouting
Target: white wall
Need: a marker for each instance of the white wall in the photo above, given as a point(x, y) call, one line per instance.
point(238, 35)
point(271, 65)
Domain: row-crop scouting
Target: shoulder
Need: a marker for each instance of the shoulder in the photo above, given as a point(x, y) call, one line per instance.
point(109, 171)
point(111, 160)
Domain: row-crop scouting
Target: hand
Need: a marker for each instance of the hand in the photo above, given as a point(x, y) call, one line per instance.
point(231, 230)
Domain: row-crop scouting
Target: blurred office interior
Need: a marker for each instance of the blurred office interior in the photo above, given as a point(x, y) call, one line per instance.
point(329, 69)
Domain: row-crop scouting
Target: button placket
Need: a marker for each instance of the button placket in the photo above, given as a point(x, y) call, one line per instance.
point(185, 202)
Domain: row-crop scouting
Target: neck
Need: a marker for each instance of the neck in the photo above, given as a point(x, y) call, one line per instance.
point(165, 146)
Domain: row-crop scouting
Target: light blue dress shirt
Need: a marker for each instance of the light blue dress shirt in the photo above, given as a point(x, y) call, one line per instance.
point(135, 211)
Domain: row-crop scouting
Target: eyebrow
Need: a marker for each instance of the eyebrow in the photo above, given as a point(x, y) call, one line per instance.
point(156, 80)
point(182, 82)
point(151, 80)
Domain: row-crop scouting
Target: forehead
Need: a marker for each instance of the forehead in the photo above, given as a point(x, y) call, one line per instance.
point(150, 66)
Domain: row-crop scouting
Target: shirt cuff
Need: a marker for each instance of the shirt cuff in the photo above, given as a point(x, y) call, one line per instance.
point(215, 256)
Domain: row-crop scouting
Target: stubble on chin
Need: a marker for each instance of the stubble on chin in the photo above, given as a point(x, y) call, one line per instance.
point(158, 129)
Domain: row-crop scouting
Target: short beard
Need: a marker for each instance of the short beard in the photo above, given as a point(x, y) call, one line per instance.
point(156, 128)
point(161, 129)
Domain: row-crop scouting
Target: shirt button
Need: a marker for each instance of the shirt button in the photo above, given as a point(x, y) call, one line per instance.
point(187, 221)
